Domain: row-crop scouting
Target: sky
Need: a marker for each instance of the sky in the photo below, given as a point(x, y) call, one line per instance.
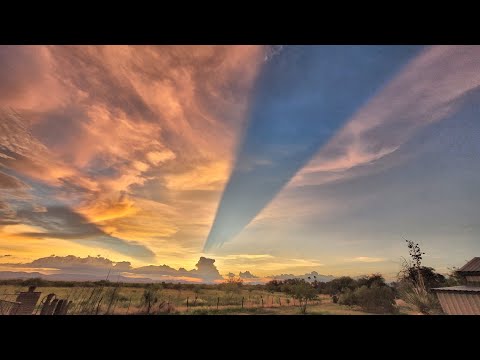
point(192, 162)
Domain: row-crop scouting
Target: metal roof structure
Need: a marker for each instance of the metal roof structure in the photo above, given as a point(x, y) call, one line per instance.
point(473, 266)
point(465, 299)
point(462, 288)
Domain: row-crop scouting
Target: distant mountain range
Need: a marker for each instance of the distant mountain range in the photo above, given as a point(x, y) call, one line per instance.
point(313, 276)
point(9, 275)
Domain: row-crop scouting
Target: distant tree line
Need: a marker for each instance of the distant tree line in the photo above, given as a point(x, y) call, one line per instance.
point(40, 282)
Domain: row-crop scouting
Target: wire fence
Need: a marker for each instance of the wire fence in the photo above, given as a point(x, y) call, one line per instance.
point(116, 300)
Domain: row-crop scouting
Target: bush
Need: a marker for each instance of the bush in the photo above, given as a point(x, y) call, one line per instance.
point(371, 280)
point(375, 299)
point(347, 298)
point(232, 286)
point(338, 285)
point(424, 301)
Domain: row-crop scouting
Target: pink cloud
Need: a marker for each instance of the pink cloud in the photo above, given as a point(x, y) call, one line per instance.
point(422, 93)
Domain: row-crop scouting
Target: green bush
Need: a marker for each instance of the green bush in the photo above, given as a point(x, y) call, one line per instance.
point(347, 297)
point(374, 299)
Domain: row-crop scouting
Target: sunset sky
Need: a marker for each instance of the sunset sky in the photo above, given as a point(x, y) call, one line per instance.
point(268, 159)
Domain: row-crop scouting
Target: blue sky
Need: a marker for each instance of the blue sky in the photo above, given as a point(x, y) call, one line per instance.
point(301, 98)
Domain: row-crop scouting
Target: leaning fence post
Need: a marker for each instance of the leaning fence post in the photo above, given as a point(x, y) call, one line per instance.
point(98, 306)
point(128, 307)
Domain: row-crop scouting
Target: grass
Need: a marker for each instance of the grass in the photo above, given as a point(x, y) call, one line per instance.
point(130, 301)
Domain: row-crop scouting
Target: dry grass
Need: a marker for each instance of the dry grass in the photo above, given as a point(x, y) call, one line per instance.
point(130, 301)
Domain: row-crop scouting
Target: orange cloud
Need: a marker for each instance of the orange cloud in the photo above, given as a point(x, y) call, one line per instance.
point(102, 126)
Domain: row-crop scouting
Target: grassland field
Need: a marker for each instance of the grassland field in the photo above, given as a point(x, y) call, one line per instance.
point(129, 300)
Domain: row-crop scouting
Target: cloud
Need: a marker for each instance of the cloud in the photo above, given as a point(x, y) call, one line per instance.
point(157, 157)
point(64, 223)
point(97, 128)
point(24, 154)
point(27, 80)
point(95, 268)
point(272, 51)
point(366, 259)
point(74, 264)
point(10, 182)
point(267, 262)
point(39, 208)
point(205, 269)
point(210, 176)
point(247, 275)
point(7, 215)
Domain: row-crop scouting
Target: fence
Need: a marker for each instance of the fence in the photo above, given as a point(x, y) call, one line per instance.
point(26, 302)
point(9, 307)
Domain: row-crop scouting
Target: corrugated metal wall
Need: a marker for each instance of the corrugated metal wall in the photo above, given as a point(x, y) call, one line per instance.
point(456, 303)
point(474, 280)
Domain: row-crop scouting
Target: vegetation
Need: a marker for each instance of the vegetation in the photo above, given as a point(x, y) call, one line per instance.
point(371, 294)
point(150, 297)
point(303, 292)
point(416, 281)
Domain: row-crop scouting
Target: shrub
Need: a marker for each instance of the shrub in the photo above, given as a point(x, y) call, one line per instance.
point(376, 299)
point(423, 300)
point(150, 296)
point(370, 280)
point(346, 298)
point(232, 286)
point(415, 282)
point(338, 285)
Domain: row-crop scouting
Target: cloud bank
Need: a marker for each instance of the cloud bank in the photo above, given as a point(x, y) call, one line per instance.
point(123, 139)
point(92, 268)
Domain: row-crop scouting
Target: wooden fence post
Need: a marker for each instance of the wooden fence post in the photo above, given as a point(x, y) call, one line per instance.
point(128, 307)
point(98, 306)
point(218, 301)
point(242, 302)
point(187, 304)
